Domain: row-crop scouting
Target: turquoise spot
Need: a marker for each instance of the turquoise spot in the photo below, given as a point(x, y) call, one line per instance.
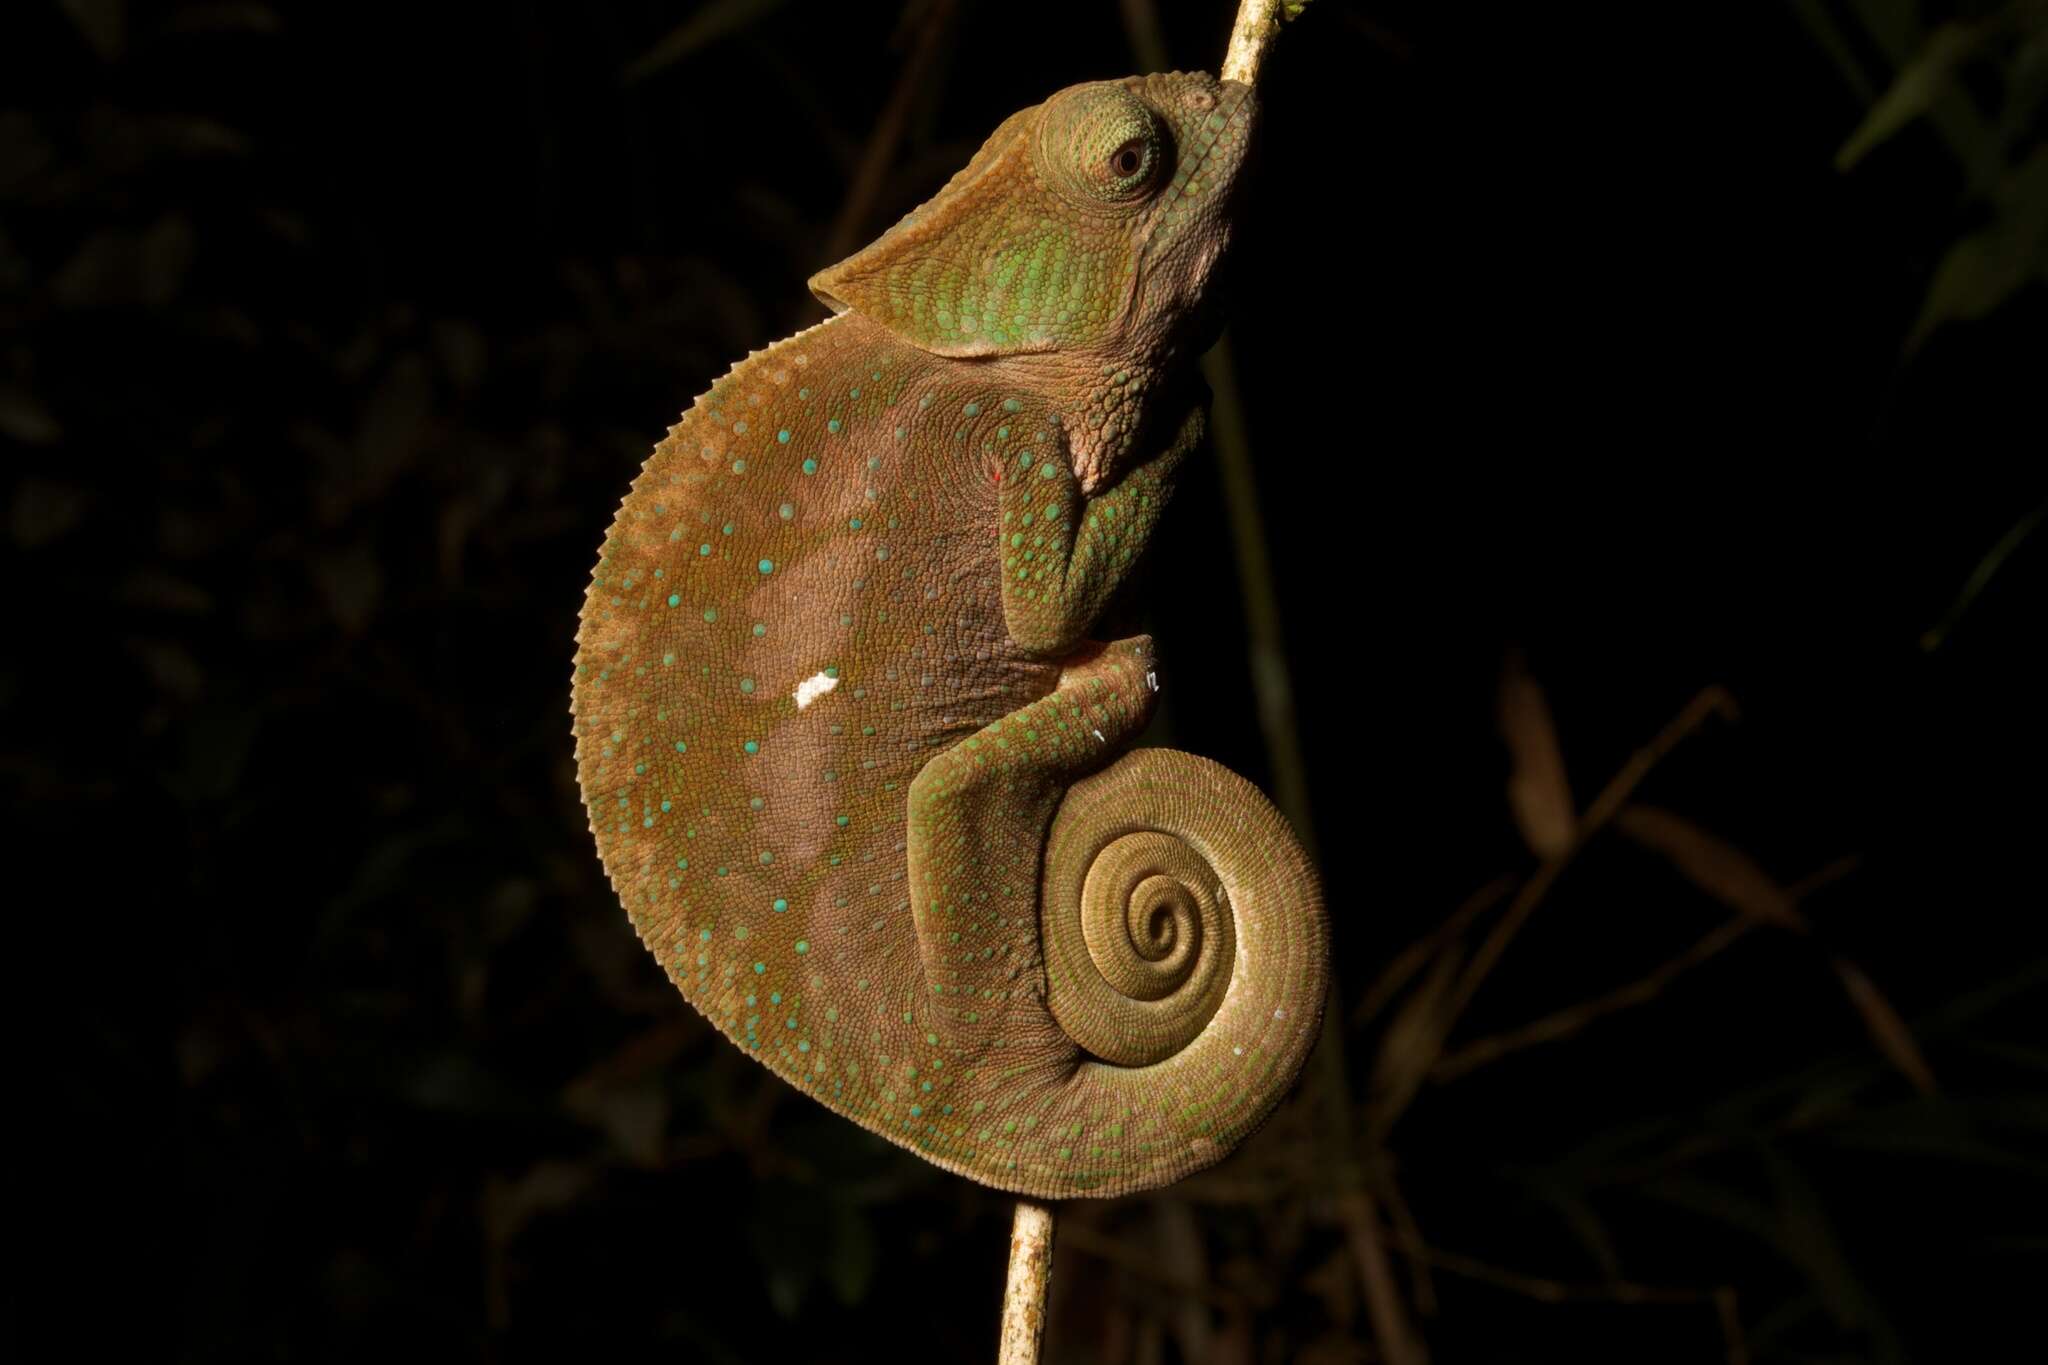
point(804, 1046)
point(668, 658)
point(842, 821)
point(802, 946)
point(759, 630)
point(674, 600)
point(766, 857)
point(1011, 405)
point(972, 409)
point(747, 686)
point(681, 747)
point(704, 935)
point(704, 549)
point(783, 436)
point(854, 523)
point(760, 968)
point(833, 671)
point(833, 426)
point(752, 746)
point(768, 565)
point(810, 466)
point(710, 613)
point(780, 905)
point(1048, 470)
point(739, 466)
point(916, 1109)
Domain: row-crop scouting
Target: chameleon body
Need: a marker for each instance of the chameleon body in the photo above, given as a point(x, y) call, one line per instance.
point(851, 762)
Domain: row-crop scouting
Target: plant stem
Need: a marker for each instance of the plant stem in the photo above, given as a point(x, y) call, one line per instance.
point(1257, 22)
point(1024, 1292)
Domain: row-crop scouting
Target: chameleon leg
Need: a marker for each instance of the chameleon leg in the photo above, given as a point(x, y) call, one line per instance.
point(1128, 960)
point(978, 818)
point(1065, 555)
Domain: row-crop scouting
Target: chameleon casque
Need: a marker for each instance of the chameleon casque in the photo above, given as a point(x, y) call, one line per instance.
point(851, 762)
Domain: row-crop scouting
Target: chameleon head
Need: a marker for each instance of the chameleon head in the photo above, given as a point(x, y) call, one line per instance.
point(1090, 224)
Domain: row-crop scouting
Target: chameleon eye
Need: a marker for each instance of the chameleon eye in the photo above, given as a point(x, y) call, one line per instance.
point(1103, 143)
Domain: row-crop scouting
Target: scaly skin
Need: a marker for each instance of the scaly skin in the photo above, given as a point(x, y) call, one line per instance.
point(839, 731)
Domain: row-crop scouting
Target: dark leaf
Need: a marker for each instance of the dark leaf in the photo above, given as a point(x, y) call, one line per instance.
point(1539, 793)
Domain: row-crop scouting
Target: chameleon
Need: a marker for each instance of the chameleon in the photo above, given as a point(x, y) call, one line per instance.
point(853, 765)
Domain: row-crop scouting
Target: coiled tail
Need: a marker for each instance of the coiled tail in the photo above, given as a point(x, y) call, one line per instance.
point(1186, 952)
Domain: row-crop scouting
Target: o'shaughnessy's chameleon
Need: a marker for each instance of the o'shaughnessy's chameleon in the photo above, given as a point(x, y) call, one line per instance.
point(844, 745)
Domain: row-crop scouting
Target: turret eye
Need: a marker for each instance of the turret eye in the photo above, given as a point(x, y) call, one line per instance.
point(1104, 143)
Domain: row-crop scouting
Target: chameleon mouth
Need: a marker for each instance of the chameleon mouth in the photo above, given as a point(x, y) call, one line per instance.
point(1212, 153)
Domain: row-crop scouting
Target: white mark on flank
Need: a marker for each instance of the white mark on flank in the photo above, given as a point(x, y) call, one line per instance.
point(1152, 681)
point(814, 687)
point(1099, 739)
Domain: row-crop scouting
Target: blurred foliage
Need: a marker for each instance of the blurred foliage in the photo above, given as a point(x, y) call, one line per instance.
point(1691, 979)
point(1999, 140)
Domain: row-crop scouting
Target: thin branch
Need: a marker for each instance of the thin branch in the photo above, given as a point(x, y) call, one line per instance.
point(1024, 1291)
point(1272, 683)
point(1570, 1020)
point(1711, 701)
point(1411, 1232)
point(1257, 23)
point(1396, 975)
point(1397, 1341)
point(1546, 1290)
point(1981, 576)
point(1566, 1022)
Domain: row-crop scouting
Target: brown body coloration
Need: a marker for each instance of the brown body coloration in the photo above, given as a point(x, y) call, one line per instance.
point(841, 738)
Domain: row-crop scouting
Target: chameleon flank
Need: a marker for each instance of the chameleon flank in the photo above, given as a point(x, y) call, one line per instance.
point(852, 764)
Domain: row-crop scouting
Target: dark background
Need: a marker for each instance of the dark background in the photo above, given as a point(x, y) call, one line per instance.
point(334, 333)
